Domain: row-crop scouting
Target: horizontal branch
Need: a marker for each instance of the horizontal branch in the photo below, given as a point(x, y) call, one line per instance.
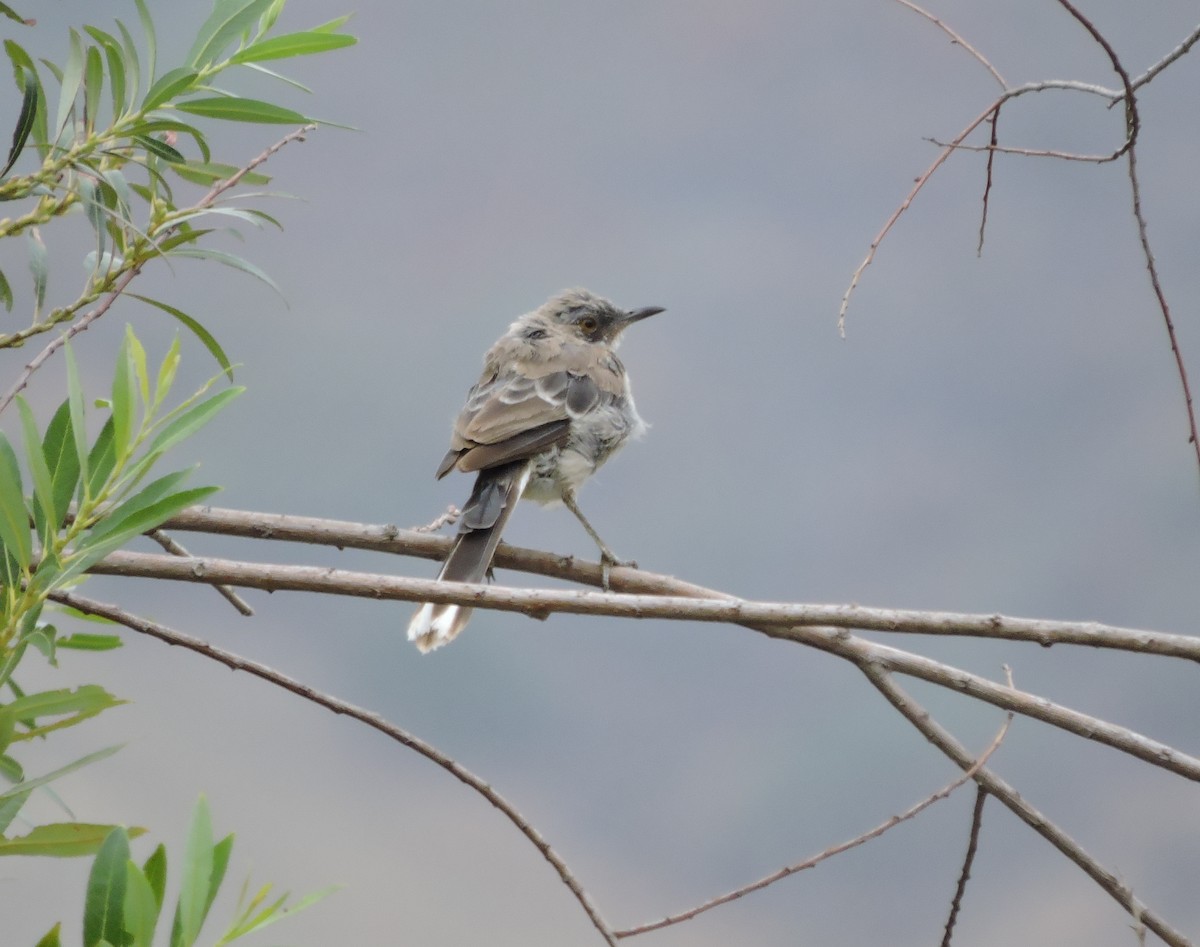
point(694, 604)
point(387, 538)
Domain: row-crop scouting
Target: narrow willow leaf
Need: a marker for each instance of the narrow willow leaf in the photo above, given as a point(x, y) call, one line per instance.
point(115, 59)
point(14, 516)
point(120, 186)
point(230, 259)
point(151, 40)
point(146, 497)
point(30, 784)
point(192, 419)
point(287, 80)
point(141, 908)
point(132, 66)
point(24, 126)
point(270, 16)
point(12, 14)
point(93, 85)
point(236, 109)
point(220, 861)
point(278, 911)
point(37, 267)
point(9, 809)
point(51, 938)
point(155, 869)
point(209, 172)
point(171, 125)
point(292, 44)
point(62, 840)
point(166, 372)
point(228, 21)
point(124, 394)
point(196, 328)
point(83, 641)
point(160, 149)
point(139, 364)
point(6, 295)
point(39, 469)
point(168, 87)
point(72, 78)
point(197, 873)
point(84, 701)
point(332, 25)
point(104, 906)
point(11, 770)
point(101, 458)
point(75, 404)
point(23, 66)
point(61, 457)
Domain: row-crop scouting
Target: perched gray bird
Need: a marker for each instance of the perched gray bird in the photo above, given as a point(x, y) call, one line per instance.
point(552, 405)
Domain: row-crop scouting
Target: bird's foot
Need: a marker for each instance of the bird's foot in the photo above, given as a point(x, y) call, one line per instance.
point(607, 560)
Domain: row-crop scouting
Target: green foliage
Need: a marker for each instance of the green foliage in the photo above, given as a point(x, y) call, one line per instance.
point(120, 132)
point(120, 144)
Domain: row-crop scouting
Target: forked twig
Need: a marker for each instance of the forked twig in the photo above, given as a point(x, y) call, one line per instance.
point(177, 549)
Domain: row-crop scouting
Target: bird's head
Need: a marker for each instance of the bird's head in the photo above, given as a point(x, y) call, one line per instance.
point(590, 317)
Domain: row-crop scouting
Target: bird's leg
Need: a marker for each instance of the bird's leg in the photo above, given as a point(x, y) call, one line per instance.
point(608, 558)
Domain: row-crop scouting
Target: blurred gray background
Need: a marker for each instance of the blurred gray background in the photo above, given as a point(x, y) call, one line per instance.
point(1003, 433)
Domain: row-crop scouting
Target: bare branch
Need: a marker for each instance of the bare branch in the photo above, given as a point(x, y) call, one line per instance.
point(176, 549)
point(957, 40)
point(965, 875)
point(238, 663)
point(1178, 52)
point(831, 851)
point(945, 741)
point(689, 603)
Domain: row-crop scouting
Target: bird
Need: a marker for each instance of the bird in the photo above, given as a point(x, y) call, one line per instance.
point(552, 404)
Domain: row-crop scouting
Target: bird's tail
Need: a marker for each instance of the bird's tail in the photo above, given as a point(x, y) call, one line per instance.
point(492, 500)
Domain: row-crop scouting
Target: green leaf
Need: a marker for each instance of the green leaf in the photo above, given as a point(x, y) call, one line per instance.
point(172, 125)
point(236, 109)
point(132, 66)
point(37, 266)
point(93, 85)
point(292, 44)
point(332, 26)
point(10, 769)
point(61, 457)
point(104, 907)
point(230, 259)
point(14, 15)
point(24, 69)
point(6, 295)
point(9, 809)
point(210, 172)
point(76, 705)
point(23, 127)
point(166, 372)
point(29, 784)
point(43, 485)
point(139, 364)
point(83, 641)
point(228, 21)
point(101, 459)
point(151, 40)
point(220, 861)
point(155, 870)
point(168, 87)
point(141, 908)
point(160, 149)
point(192, 419)
point(62, 840)
point(75, 403)
point(124, 397)
point(196, 328)
point(116, 67)
point(14, 515)
point(72, 77)
point(50, 938)
point(196, 879)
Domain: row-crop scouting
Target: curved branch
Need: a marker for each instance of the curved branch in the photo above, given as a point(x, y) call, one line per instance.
point(238, 663)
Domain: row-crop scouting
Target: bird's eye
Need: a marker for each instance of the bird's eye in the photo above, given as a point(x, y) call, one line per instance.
point(588, 324)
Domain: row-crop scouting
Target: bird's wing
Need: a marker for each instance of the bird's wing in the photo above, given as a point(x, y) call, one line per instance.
point(512, 416)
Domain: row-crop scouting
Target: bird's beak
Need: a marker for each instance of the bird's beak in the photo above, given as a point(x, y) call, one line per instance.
point(637, 315)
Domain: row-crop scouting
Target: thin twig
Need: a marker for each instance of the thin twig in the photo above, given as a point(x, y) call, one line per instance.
point(957, 40)
point(831, 851)
point(1162, 64)
point(948, 745)
point(449, 518)
point(987, 187)
point(129, 276)
point(964, 876)
point(176, 549)
point(238, 663)
point(775, 620)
